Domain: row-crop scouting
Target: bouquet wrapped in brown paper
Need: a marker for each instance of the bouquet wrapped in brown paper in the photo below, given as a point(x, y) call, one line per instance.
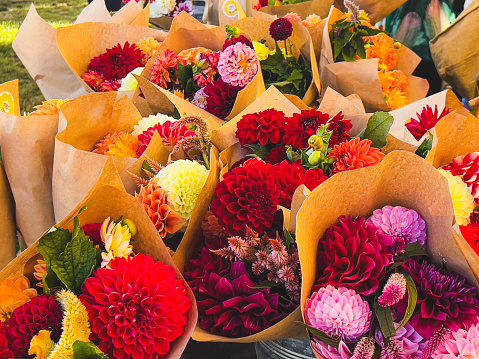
point(201, 70)
point(37, 39)
point(363, 238)
point(27, 149)
point(73, 265)
point(375, 67)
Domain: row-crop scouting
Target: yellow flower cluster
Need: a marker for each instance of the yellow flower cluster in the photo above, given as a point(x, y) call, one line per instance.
point(462, 199)
point(117, 241)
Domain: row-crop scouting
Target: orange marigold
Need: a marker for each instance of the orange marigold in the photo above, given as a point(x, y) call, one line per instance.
point(102, 146)
point(125, 145)
point(354, 154)
point(395, 99)
point(148, 46)
point(49, 107)
point(15, 291)
point(381, 47)
point(187, 57)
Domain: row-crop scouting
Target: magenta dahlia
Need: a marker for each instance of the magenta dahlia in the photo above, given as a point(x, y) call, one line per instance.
point(220, 98)
point(426, 120)
point(443, 298)
point(234, 40)
point(247, 196)
point(169, 134)
point(40, 313)
point(354, 255)
point(281, 29)
point(263, 127)
point(118, 61)
point(93, 231)
point(5, 352)
point(468, 168)
point(136, 308)
point(231, 307)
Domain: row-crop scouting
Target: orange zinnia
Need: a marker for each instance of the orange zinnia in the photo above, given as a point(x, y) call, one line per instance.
point(15, 291)
point(50, 107)
point(354, 154)
point(187, 57)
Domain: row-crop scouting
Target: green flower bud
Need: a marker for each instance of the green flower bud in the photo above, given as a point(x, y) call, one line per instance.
point(131, 226)
point(315, 158)
point(316, 142)
point(232, 32)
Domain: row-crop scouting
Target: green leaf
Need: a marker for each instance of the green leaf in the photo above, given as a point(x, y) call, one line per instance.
point(288, 239)
point(412, 250)
point(411, 298)
point(147, 167)
point(265, 285)
point(326, 339)
point(293, 156)
point(385, 319)
point(53, 243)
point(425, 147)
point(395, 265)
point(76, 263)
point(360, 47)
point(76, 227)
point(82, 350)
point(378, 129)
point(258, 150)
point(348, 54)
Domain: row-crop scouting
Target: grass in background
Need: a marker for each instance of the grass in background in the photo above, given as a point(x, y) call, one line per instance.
point(57, 13)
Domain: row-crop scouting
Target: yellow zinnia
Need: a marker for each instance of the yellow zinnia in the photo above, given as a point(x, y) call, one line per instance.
point(117, 241)
point(462, 199)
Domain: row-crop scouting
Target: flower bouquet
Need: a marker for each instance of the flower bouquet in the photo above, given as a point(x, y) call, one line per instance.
point(27, 151)
point(202, 71)
point(100, 283)
point(37, 39)
point(395, 214)
point(357, 58)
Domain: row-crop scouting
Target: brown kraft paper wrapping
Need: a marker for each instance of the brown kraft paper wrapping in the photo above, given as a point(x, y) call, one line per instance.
point(377, 9)
point(7, 218)
point(318, 7)
point(361, 77)
point(107, 198)
point(287, 328)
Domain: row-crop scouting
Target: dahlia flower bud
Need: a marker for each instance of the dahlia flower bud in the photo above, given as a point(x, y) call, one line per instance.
point(232, 31)
point(316, 142)
point(393, 291)
point(131, 226)
point(315, 158)
point(364, 349)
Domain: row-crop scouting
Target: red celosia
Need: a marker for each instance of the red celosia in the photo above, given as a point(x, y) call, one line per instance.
point(118, 61)
point(235, 40)
point(471, 235)
point(302, 126)
point(168, 133)
point(164, 68)
point(281, 29)
point(468, 168)
point(426, 120)
point(136, 308)
point(247, 196)
point(289, 176)
point(276, 155)
point(354, 154)
point(5, 352)
point(354, 255)
point(93, 231)
point(40, 313)
point(221, 98)
point(263, 127)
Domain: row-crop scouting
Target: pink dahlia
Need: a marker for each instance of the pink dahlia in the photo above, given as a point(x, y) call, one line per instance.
point(40, 313)
point(5, 352)
point(404, 225)
point(118, 61)
point(263, 127)
point(169, 134)
point(329, 352)
point(136, 308)
point(426, 120)
point(247, 196)
point(468, 168)
point(231, 307)
point(220, 98)
point(463, 343)
point(186, 6)
point(340, 313)
point(410, 341)
point(238, 64)
point(353, 255)
point(281, 29)
point(442, 298)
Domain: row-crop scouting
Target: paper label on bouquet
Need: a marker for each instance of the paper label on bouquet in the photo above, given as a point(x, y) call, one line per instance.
point(230, 8)
point(6, 103)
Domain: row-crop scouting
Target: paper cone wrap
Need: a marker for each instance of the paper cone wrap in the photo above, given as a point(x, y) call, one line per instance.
point(105, 199)
point(318, 7)
point(377, 9)
point(361, 77)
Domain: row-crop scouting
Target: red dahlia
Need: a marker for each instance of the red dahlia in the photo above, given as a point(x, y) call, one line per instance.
point(468, 168)
point(221, 98)
point(40, 313)
point(247, 196)
point(168, 133)
point(137, 308)
point(353, 255)
point(281, 29)
point(339, 125)
point(5, 352)
point(229, 306)
point(263, 127)
point(426, 120)
point(235, 40)
point(117, 62)
point(93, 231)
point(289, 176)
point(471, 235)
point(276, 155)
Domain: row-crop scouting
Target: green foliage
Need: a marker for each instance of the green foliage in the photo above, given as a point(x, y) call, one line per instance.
point(289, 75)
point(425, 147)
point(412, 298)
point(82, 350)
point(385, 319)
point(377, 129)
point(326, 339)
point(185, 79)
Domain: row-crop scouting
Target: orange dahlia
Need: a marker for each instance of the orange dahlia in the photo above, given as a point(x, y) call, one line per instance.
point(15, 291)
point(148, 46)
point(102, 146)
point(392, 79)
point(395, 99)
point(50, 107)
point(163, 64)
point(125, 145)
point(381, 47)
point(155, 202)
point(187, 57)
point(354, 154)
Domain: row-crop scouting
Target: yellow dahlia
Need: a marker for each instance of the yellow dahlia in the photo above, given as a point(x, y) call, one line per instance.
point(125, 145)
point(15, 291)
point(262, 51)
point(41, 345)
point(312, 20)
point(184, 180)
point(117, 241)
point(50, 107)
point(148, 46)
point(462, 199)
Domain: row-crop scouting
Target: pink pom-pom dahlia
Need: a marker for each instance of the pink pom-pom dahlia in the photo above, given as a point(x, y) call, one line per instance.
point(238, 64)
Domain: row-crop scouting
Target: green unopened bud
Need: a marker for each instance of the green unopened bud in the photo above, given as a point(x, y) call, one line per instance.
point(232, 32)
point(131, 226)
point(315, 158)
point(191, 127)
point(316, 142)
